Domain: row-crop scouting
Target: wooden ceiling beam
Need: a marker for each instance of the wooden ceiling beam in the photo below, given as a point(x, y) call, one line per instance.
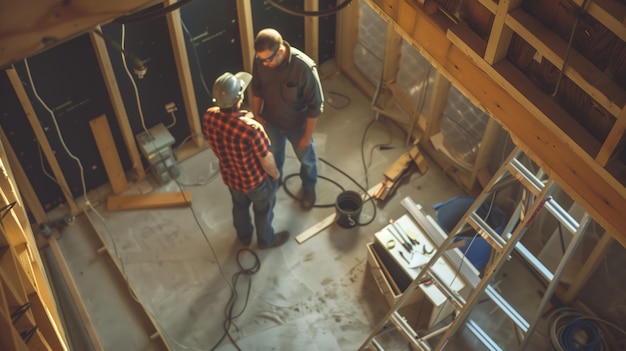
point(28, 27)
point(500, 36)
point(582, 72)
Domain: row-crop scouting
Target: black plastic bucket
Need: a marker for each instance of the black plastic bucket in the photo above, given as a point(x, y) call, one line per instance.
point(348, 208)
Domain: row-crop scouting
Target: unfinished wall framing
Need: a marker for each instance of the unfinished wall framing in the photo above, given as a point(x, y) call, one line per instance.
point(582, 165)
point(28, 313)
point(65, 25)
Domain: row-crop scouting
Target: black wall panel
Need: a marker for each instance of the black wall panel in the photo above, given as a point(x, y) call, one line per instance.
point(291, 26)
point(264, 15)
point(67, 78)
point(213, 44)
point(21, 137)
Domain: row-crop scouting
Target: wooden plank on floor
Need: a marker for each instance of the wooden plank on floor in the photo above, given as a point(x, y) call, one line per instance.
point(147, 201)
point(108, 152)
point(318, 227)
point(74, 293)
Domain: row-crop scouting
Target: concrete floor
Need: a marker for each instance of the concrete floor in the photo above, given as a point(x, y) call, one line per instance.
point(179, 262)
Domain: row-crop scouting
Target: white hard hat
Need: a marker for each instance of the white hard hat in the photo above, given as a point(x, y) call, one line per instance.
point(229, 88)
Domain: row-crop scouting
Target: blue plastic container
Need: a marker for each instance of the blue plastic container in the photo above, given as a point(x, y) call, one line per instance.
point(450, 212)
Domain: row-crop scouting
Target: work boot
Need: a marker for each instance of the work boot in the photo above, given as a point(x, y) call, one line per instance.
point(279, 239)
point(246, 242)
point(308, 199)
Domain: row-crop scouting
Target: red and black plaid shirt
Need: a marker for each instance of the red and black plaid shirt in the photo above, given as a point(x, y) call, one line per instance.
point(238, 146)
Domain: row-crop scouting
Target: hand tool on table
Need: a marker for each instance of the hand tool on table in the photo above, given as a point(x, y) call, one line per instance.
point(398, 235)
point(399, 239)
point(404, 234)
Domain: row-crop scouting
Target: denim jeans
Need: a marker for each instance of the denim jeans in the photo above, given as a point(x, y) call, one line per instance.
point(306, 156)
point(263, 198)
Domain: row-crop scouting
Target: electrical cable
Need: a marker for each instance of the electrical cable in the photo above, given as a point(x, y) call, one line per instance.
point(173, 121)
point(132, 81)
point(291, 194)
point(379, 146)
point(197, 59)
point(369, 198)
point(580, 11)
point(229, 315)
point(228, 311)
point(133, 295)
point(43, 168)
point(319, 13)
point(67, 192)
point(57, 129)
point(570, 329)
point(138, 64)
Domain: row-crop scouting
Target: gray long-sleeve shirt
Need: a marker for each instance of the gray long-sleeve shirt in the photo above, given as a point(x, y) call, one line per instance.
point(291, 92)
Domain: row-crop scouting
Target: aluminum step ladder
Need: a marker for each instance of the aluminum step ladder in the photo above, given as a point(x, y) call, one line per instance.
point(538, 188)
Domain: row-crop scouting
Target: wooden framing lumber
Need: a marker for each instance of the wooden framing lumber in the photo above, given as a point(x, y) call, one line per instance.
point(147, 321)
point(24, 24)
point(184, 73)
point(148, 201)
point(589, 268)
point(582, 72)
point(612, 140)
point(244, 18)
point(612, 14)
point(118, 104)
point(76, 298)
point(501, 35)
point(108, 152)
point(41, 137)
point(398, 167)
point(311, 30)
point(16, 173)
point(26, 190)
point(418, 159)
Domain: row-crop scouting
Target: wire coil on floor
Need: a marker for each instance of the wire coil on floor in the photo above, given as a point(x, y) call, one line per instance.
point(571, 330)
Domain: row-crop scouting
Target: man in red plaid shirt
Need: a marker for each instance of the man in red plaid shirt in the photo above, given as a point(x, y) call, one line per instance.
point(246, 164)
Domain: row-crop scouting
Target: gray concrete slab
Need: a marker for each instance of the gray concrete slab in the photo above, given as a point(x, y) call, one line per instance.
point(316, 295)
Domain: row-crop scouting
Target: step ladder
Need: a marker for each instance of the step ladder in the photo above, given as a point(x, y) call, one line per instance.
point(538, 188)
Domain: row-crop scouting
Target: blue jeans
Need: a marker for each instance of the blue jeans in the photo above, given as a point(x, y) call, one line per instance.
point(306, 156)
point(263, 198)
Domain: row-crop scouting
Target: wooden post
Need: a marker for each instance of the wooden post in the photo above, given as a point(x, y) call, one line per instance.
point(41, 137)
point(312, 31)
point(118, 104)
point(184, 77)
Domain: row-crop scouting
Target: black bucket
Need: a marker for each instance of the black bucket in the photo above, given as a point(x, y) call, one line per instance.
point(348, 208)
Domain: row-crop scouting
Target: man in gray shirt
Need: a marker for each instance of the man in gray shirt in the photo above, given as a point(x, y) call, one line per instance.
point(287, 99)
